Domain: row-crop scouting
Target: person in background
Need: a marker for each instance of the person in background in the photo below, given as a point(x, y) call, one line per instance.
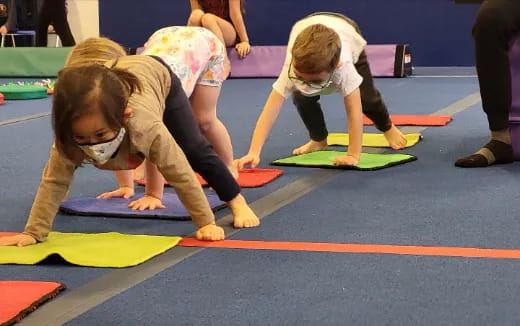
point(497, 24)
point(225, 19)
point(53, 16)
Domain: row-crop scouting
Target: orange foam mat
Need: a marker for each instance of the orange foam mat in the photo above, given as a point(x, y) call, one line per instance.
point(356, 248)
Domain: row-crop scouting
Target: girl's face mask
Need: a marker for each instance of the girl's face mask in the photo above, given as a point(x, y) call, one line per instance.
point(100, 153)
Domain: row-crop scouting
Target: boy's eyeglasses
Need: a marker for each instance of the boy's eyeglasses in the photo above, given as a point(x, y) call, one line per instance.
point(315, 85)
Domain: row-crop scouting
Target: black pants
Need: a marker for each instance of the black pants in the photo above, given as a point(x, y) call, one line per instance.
point(311, 113)
point(497, 24)
point(180, 121)
point(53, 12)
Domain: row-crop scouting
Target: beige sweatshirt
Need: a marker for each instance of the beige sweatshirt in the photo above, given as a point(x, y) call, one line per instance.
point(147, 137)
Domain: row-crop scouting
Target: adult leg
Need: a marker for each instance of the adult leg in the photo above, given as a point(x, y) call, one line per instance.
point(497, 23)
point(43, 22)
point(61, 23)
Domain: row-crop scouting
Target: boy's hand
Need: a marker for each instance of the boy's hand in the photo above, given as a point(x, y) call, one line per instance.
point(125, 192)
point(3, 30)
point(146, 202)
point(210, 232)
point(19, 240)
point(249, 159)
point(349, 160)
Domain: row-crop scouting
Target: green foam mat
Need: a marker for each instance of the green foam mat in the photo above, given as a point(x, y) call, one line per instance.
point(325, 159)
point(23, 91)
point(32, 61)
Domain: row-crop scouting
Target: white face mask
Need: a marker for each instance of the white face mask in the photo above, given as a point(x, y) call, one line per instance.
point(100, 153)
point(307, 90)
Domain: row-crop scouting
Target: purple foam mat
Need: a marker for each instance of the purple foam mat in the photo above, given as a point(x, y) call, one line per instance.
point(266, 61)
point(262, 61)
point(514, 113)
point(118, 207)
point(381, 58)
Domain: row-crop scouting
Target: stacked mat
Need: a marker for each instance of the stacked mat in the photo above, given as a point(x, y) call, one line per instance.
point(23, 91)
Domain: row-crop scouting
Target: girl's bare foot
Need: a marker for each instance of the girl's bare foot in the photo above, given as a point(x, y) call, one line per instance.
point(243, 215)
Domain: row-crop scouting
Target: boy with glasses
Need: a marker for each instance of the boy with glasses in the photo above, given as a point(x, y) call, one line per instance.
point(325, 54)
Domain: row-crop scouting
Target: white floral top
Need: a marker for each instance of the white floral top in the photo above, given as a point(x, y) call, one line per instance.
point(194, 54)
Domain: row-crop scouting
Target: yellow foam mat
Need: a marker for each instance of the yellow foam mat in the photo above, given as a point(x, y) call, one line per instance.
point(110, 249)
point(370, 140)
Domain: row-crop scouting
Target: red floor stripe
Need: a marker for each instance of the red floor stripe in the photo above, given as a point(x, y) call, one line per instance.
point(356, 248)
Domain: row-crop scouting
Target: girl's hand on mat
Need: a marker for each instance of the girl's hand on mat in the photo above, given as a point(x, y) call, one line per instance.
point(346, 160)
point(146, 202)
point(19, 240)
point(125, 192)
point(210, 232)
point(250, 159)
point(243, 49)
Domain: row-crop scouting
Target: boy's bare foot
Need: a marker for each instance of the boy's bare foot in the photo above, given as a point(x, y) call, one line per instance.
point(311, 146)
point(243, 215)
point(395, 138)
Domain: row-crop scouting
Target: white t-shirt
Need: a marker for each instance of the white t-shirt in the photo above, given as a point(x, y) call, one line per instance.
point(345, 78)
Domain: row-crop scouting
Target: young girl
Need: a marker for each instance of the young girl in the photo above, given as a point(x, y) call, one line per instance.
point(225, 19)
point(180, 120)
point(106, 115)
point(198, 59)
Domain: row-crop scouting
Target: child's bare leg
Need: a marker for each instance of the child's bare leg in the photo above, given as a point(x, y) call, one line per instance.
point(395, 138)
point(138, 173)
point(204, 103)
point(195, 18)
point(311, 146)
point(243, 215)
point(223, 29)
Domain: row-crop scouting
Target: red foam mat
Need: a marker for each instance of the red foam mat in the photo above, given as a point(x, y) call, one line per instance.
point(248, 178)
point(20, 298)
point(415, 120)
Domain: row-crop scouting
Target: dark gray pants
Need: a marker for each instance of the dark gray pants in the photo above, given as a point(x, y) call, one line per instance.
point(497, 24)
point(53, 12)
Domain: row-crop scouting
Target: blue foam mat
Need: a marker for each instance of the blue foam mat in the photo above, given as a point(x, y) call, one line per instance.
point(118, 207)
